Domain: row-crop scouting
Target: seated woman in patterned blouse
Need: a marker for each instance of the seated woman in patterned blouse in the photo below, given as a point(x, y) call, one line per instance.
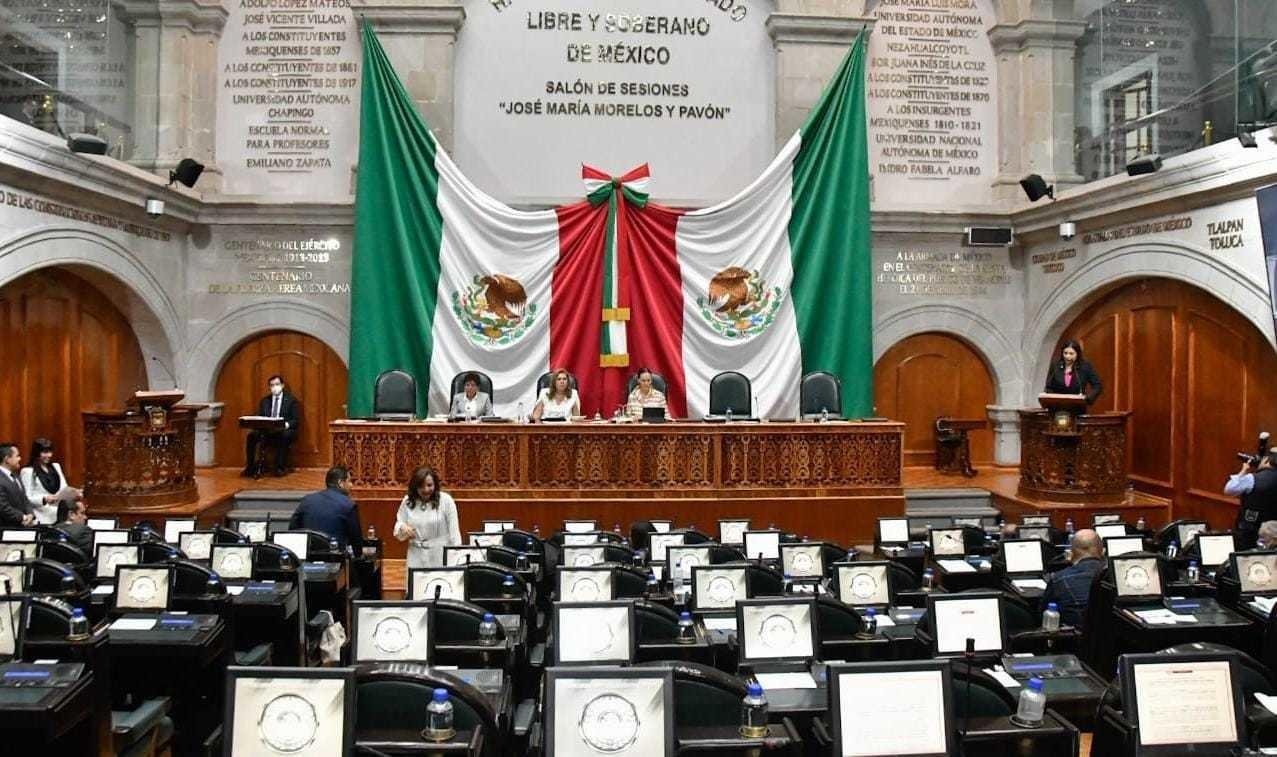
point(645, 395)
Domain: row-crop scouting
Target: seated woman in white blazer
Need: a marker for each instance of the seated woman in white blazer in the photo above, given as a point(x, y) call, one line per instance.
point(42, 480)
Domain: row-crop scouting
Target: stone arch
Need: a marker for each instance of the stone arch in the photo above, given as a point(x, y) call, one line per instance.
point(117, 272)
point(1000, 354)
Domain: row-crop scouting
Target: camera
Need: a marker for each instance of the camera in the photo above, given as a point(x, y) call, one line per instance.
point(154, 207)
point(1068, 230)
point(1261, 449)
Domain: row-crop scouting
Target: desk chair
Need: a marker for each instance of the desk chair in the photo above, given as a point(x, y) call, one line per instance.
point(820, 390)
point(987, 697)
point(272, 562)
point(459, 385)
point(503, 556)
point(66, 553)
point(224, 535)
point(394, 395)
point(640, 534)
point(902, 577)
point(458, 622)
point(655, 622)
point(703, 696)
point(54, 579)
point(730, 389)
point(158, 552)
point(629, 582)
point(720, 554)
point(145, 531)
point(393, 697)
point(763, 582)
point(1098, 648)
point(839, 624)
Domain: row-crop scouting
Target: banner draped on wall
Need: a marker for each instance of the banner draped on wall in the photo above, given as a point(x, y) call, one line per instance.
point(773, 283)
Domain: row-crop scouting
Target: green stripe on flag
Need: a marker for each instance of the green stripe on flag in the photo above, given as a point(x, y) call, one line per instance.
point(830, 240)
point(398, 232)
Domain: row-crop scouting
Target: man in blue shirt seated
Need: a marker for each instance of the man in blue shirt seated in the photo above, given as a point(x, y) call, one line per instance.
point(331, 511)
point(1070, 588)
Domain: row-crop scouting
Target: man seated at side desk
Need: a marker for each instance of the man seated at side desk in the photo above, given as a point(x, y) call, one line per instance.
point(1070, 589)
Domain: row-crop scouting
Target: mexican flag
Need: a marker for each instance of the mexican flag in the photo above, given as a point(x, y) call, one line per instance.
point(773, 283)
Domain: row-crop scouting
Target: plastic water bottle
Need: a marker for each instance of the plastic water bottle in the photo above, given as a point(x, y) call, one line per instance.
point(1032, 703)
point(488, 630)
point(729, 414)
point(439, 717)
point(640, 557)
point(1141, 524)
point(871, 621)
point(787, 585)
point(1192, 571)
point(1172, 549)
point(653, 586)
point(686, 628)
point(753, 713)
point(521, 562)
point(928, 579)
point(824, 415)
point(1069, 528)
point(79, 625)
point(1051, 617)
point(213, 586)
point(508, 587)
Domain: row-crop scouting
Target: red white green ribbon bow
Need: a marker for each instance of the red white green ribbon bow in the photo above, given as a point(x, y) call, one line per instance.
point(601, 188)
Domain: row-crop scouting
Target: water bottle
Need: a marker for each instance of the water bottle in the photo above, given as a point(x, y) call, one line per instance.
point(1032, 703)
point(787, 585)
point(686, 629)
point(439, 717)
point(79, 625)
point(1069, 528)
point(871, 621)
point(928, 579)
point(370, 547)
point(640, 557)
point(753, 713)
point(508, 587)
point(521, 562)
point(824, 415)
point(213, 586)
point(1141, 524)
point(372, 531)
point(1192, 571)
point(1172, 549)
point(521, 417)
point(1051, 618)
point(488, 630)
point(729, 414)
point(653, 586)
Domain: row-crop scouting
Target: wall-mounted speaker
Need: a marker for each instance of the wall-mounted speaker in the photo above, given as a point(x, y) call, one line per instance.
point(989, 236)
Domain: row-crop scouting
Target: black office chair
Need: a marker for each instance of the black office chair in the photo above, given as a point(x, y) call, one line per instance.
point(730, 389)
point(977, 694)
point(224, 535)
point(320, 546)
point(459, 385)
point(159, 552)
point(394, 393)
point(618, 553)
point(763, 582)
point(692, 536)
point(56, 580)
point(658, 383)
point(655, 622)
point(902, 577)
point(836, 622)
point(50, 533)
point(544, 381)
point(64, 552)
point(1168, 533)
point(144, 532)
point(503, 556)
point(392, 698)
point(487, 579)
point(523, 541)
point(721, 553)
point(704, 697)
point(629, 582)
point(1098, 646)
point(458, 622)
point(193, 580)
point(820, 390)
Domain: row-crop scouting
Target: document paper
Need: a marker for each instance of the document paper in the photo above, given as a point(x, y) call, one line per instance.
point(891, 713)
point(1185, 703)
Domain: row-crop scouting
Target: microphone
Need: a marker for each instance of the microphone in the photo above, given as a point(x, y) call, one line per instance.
point(166, 370)
point(969, 655)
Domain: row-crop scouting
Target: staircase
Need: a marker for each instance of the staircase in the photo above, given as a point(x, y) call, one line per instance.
point(255, 504)
point(939, 507)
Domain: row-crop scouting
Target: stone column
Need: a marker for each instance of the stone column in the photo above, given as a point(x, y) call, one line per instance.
point(1035, 45)
point(421, 39)
point(175, 83)
point(811, 38)
point(205, 426)
point(1006, 434)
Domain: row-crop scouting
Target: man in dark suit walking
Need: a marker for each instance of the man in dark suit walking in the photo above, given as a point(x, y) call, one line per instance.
point(331, 511)
point(15, 508)
point(280, 403)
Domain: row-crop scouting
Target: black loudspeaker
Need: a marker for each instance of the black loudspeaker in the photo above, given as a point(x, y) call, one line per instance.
point(1036, 187)
point(989, 236)
point(1144, 164)
point(188, 172)
point(89, 144)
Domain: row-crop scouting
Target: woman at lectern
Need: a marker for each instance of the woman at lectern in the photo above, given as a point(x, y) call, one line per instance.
point(558, 400)
point(427, 520)
point(1070, 374)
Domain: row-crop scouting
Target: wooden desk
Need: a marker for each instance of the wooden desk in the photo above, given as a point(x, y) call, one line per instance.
point(827, 480)
point(1088, 467)
point(140, 461)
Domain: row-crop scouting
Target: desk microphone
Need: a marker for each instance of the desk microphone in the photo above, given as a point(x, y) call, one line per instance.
point(969, 655)
point(166, 370)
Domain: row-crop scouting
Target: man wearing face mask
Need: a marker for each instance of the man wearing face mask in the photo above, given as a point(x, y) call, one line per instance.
point(278, 404)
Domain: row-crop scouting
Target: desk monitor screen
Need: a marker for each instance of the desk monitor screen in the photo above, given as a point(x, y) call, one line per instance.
point(1022, 555)
point(1102, 519)
point(175, 527)
point(450, 583)
point(498, 526)
point(660, 543)
point(883, 709)
point(232, 561)
point(392, 632)
point(802, 560)
point(958, 617)
point(681, 558)
point(484, 538)
point(893, 530)
point(1035, 520)
point(626, 712)
point(255, 531)
point(592, 584)
point(307, 711)
point(863, 583)
point(776, 629)
point(581, 538)
point(718, 587)
point(112, 536)
point(1111, 529)
point(732, 531)
point(12, 577)
point(594, 633)
point(142, 587)
point(1041, 533)
point(12, 622)
point(580, 526)
point(453, 556)
point(19, 534)
point(103, 524)
point(17, 551)
point(1158, 689)
point(1215, 548)
point(1189, 529)
point(662, 526)
point(297, 542)
point(196, 545)
point(947, 541)
point(583, 557)
point(1138, 578)
point(762, 544)
point(111, 556)
point(1116, 546)
point(1256, 571)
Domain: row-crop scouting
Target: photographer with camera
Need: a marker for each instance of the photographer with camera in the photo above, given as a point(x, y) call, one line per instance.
point(1256, 485)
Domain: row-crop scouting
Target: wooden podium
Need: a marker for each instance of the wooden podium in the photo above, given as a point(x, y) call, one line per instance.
point(143, 457)
point(1069, 456)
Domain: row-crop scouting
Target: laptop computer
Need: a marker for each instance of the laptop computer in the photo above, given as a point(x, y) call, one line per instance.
point(1035, 520)
point(681, 558)
point(803, 562)
point(196, 545)
point(762, 545)
point(175, 527)
point(893, 532)
point(1024, 565)
point(653, 415)
point(732, 530)
point(947, 542)
point(142, 588)
point(1041, 533)
point(1256, 572)
point(1186, 530)
point(1156, 689)
point(582, 557)
point(592, 584)
point(108, 557)
point(1100, 519)
point(233, 562)
point(716, 589)
point(595, 633)
point(1215, 549)
point(1108, 530)
point(464, 555)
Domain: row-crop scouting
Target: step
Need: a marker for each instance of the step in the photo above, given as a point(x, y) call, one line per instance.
point(268, 499)
point(938, 507)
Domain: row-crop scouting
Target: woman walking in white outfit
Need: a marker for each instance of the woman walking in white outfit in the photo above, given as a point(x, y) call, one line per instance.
point(427, 520)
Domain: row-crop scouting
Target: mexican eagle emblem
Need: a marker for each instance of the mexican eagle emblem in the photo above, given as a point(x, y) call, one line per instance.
point(739, 303)
point(493, 310)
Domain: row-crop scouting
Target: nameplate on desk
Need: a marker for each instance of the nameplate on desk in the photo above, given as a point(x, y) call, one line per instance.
point(1163, 617)
point(134, 624)
point(103, 589)
point(771, 681)
point(1002, 677)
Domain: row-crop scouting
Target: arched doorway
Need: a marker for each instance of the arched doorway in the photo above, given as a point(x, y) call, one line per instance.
point(1197, 378)
point(67, 349)
point(314, 374)
point(925, 376)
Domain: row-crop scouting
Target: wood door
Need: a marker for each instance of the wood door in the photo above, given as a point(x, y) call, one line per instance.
point(67, 348)
point(929, 375)
point(1191, 371)
point(312, 372)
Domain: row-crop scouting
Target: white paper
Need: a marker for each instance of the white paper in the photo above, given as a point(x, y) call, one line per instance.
point(134, 624)
point(884, 621)
point(1185, 703)
point(719, 624)
point(1002, 677)
point(1264, 604)
point(1029, 583)
point(957, 620)
point(1268, 701)
point(771, 681)
point(104, 589)
point(235, 590)
point(956, 566)
point(892, 713)
point(1023, 556)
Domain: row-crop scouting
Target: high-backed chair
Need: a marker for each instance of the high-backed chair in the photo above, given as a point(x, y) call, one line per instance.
point(704, 697)
point(544, 381)
point(224, 535)
point(391, 697)
point(158, 551)
point(56, 580)
point(658, 383)
point(618, 553)
point(763, 582)
point(730, 389)
point(394, 393)
point(63, 552)
point(458, 622)
point(641, 534)
point(902, 577)
point(629, 582)
point(978, 694)
point(836, 622)
point(1097, 647)
point(459, 384)
point(722, 553)
point(692, 536)
point(655, 622)
point(820, 390)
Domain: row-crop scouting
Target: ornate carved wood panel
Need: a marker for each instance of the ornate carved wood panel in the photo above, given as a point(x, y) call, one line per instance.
point(146, 468)
point(1088, 467)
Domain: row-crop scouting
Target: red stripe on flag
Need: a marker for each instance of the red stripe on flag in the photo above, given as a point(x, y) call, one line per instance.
point(576, 294)
point(652, 288)
point(590, 172)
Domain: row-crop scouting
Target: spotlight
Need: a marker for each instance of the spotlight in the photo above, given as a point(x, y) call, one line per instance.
point(1036, 187)
point(1068, 230)
point(188, 172)
point(1247, 139)
point(1144, 164)
point(89, 144)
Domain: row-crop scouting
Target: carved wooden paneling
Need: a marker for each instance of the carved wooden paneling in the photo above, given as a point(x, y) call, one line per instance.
point(1091, 466)
point(145, 469)
point(821, 460)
